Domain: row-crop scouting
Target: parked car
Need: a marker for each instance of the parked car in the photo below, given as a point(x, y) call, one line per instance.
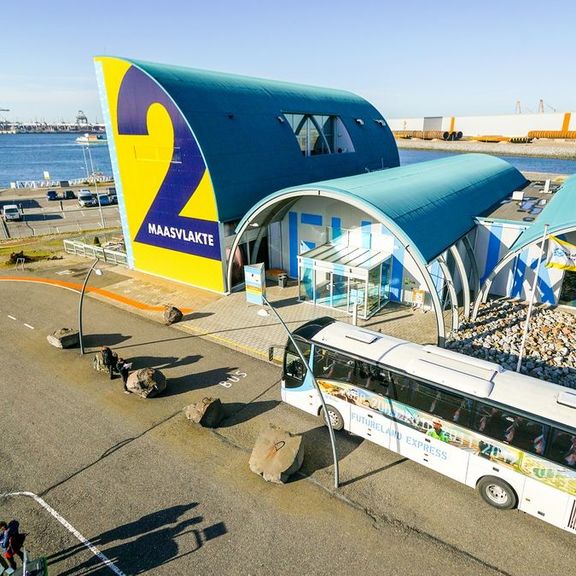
point(104, 199)
point(68, 195)
point(51, 195)
point(11, 212)
point(86, 198)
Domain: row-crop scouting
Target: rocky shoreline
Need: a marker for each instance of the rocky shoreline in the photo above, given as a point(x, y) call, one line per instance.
point(563, 150)
point(496, 336)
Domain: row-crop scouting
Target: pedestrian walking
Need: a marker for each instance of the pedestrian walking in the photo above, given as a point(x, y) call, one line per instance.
point(123, 368)
point(11, 542)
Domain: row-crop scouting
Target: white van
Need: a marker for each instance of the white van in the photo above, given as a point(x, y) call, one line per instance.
point(86, 198)
point(11, 212)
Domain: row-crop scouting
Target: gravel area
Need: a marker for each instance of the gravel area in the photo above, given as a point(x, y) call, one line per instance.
point(496, 335)
point(542, 148)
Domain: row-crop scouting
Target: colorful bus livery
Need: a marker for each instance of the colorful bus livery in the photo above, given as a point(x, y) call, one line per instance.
point(511, 436)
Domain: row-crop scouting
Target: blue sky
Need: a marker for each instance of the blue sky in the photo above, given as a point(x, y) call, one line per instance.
point(410, 58)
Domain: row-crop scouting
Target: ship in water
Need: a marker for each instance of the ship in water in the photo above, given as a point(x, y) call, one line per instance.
point(89, 139)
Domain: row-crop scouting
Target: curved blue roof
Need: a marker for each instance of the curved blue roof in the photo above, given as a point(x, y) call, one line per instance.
point(249, 152)
point(429, 205)
point(559, 214)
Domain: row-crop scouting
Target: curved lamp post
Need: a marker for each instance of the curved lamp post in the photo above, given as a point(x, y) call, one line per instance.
point(99, 273)
point(325, 410)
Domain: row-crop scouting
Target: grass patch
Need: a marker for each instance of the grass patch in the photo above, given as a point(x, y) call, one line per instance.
point(47, 247)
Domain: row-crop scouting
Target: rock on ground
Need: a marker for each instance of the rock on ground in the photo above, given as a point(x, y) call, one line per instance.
point(146, 382)
point(64, 338)
point(276, 455)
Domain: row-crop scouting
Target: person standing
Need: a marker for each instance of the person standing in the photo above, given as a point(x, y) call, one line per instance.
point(109, 360)
point(123, 368)
point(11, 542)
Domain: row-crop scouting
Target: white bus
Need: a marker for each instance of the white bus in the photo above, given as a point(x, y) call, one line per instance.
point(511, 436)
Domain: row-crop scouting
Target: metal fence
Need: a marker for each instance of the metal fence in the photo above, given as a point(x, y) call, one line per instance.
point(110, 254)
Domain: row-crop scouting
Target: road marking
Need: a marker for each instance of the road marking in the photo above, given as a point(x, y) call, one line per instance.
point(28, 326)
point(234, 377)
point(62, 272)
point(11, 317)
point(107, 562)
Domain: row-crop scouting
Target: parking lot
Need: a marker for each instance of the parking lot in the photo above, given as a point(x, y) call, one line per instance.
point(64, 213)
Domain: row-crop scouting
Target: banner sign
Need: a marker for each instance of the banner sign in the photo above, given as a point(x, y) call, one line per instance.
point(561, 254)
point(255, 283)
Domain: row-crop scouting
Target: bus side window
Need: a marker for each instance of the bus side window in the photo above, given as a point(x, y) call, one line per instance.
point(403, 388)
point(490, 421)
point(527, 435)
point(562, 448)
point(378, 380)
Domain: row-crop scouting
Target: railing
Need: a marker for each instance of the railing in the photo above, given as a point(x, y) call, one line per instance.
point(100, 178)
point(108, 255)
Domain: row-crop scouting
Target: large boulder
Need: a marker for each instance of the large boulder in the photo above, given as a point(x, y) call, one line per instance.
point(207, 412)
point(276, 455)
point(172, 315)
point(146, 382)
point(64, 338)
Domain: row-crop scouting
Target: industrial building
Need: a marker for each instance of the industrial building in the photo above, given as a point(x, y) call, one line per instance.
point(556, 124)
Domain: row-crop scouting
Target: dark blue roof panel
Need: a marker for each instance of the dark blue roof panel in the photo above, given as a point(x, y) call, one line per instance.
point(249, 152)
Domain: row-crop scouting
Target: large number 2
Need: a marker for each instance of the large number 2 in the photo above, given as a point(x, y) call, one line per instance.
point(163, 226)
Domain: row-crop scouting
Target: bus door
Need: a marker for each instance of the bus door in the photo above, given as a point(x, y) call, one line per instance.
point(297, 385)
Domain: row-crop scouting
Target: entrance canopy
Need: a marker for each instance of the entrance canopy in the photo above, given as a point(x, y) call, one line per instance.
point(336, 256)
point(343, 276)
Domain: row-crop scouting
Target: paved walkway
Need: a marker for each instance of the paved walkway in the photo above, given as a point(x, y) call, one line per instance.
point(228, 320)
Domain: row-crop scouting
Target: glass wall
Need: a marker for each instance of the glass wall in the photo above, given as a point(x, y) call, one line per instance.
point(332, 285)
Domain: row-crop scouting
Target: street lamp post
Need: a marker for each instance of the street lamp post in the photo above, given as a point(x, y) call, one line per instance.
point(96, 186)
point(324, 408)
point(99, 273)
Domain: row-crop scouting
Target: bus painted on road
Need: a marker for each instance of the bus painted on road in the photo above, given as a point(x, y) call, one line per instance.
point(513, 437)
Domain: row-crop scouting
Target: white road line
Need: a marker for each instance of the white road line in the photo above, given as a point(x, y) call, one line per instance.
point(28, 326)
point(11, 317)
point(107, 562)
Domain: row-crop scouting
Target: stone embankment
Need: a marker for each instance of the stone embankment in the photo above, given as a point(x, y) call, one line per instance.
point(549, 353)
point(565, 149)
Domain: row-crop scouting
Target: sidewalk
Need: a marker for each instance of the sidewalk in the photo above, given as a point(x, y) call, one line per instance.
point(227, 320)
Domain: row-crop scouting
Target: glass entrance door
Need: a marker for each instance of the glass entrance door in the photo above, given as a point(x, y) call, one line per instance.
point(357, 296)
point(373, 290)
point(339, 291)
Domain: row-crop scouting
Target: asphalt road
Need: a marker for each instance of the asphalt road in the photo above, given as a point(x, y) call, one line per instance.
point(159, 496)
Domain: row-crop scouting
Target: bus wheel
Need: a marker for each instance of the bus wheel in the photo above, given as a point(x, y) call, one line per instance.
point(497, 493)
point(334, 416)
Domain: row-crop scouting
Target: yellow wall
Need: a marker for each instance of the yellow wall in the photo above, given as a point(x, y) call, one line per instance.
point(152, 183)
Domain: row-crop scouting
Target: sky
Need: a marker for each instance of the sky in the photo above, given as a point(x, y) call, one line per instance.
point(409, 59)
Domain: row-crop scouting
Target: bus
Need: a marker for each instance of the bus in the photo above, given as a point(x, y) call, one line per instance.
point(512, 437)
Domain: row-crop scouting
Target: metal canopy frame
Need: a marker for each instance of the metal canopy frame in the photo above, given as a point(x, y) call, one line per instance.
point(273, 209)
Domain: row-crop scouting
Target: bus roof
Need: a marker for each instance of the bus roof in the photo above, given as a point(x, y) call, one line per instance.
point(471, 376)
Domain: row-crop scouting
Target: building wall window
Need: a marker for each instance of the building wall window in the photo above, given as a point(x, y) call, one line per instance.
point(320, 134)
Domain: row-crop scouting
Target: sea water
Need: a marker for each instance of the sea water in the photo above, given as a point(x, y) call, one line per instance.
point(28, 156)
point(523, 163)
